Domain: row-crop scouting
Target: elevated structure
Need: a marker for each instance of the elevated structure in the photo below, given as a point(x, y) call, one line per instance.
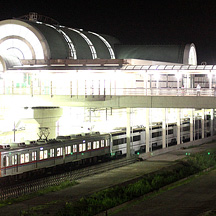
point(93, 78)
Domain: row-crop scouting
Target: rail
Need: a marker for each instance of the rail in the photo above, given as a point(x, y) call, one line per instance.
point(69, 90)
point(39, 184)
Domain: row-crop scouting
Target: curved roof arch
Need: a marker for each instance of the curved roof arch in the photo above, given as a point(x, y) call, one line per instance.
point(37, 40)
point(20, 32)
point(181, 54)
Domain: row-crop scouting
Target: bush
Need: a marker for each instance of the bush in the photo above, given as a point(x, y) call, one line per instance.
point(117, 195)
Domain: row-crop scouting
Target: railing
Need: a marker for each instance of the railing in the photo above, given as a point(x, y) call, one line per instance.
point(71, 91)
point(33, 186)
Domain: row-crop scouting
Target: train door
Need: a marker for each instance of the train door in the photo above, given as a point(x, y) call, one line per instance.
point(15, 163)
point(5, 163)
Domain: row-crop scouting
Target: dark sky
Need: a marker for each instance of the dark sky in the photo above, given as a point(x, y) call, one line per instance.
point(134, 22)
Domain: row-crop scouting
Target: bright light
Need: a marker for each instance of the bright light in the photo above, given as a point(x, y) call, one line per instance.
point(17, 37)
point(192, 60)
point(157, 76)
point(178, 76)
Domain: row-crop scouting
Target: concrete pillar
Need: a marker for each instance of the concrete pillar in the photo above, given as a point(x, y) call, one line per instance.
point(191, 124)
point(128, 131)
point(47, 118)
point(178, 126)
point(164, 128)
point(147, 130)
point(212, 122)
point(203, 123)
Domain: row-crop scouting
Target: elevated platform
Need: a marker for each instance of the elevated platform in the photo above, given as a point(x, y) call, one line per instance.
point(99, 101)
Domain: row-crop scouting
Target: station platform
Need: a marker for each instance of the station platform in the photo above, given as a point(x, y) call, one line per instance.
point(51, 203)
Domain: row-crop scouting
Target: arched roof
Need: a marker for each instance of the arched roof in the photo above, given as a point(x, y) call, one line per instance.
point(8, 61)
point(36, 40)
point(182, 54)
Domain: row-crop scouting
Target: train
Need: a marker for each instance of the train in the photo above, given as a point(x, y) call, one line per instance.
point(19, 159)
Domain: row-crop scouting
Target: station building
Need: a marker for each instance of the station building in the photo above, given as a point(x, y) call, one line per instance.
point(57, 80)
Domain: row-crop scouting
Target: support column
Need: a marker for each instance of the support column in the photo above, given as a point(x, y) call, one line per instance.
point(164, 128)
point(128, 131)
point(203, 123)
point(191, 124)
point(212, 122)
point(178, 125)
point(147, 130)
point(47, 118)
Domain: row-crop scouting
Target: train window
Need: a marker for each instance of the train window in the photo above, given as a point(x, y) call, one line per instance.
point(34, 155)
point(22, 158)
point(107, 142)
point(80, 147)
point(84, 147)
point(13, 160)
point(156, 134)
point(136, 138)
point(45, 154)
point(94, 145)
point(59, 151)
point(102, 143)
point(170, 131)
point(27, 157)
point(5, 161)
point(74, 148)
point(89, 145)
point(67, 149)
point(98, 144)
point(52, 152)
point(115, 142)
point(41, 155)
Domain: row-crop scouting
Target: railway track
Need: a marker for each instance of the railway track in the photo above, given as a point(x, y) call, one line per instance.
point(38, 184)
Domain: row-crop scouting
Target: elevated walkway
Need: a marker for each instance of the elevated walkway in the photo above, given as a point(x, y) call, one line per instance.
point(100, 101)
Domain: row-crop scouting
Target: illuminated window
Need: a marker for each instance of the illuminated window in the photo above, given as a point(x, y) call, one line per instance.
point(22, 158)
point(45, 154)
point(98, 144)
point(80, 147)
point(27, 157)
point(94, 145)
point(34, 156)
point(107, 142)
point(74, 148)
point(67, 149)
point(102, 143)
point(84, 147)
point(59, 151)
point(41, 155)
point(52, 152)
point(89, 145)
point(12, 160)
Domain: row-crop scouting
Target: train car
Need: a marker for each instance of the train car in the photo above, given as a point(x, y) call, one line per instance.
point(34, 156)
point(37, 156)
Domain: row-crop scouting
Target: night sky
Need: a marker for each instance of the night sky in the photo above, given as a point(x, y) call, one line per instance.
point(134, 22)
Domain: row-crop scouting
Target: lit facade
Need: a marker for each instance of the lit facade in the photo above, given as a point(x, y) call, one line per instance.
point(81, 78)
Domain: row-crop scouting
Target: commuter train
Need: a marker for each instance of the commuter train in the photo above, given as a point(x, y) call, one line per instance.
point(21, 158)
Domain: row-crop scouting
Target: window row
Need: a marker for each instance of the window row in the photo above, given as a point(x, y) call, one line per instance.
point(124, 140)
point(44, 154)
